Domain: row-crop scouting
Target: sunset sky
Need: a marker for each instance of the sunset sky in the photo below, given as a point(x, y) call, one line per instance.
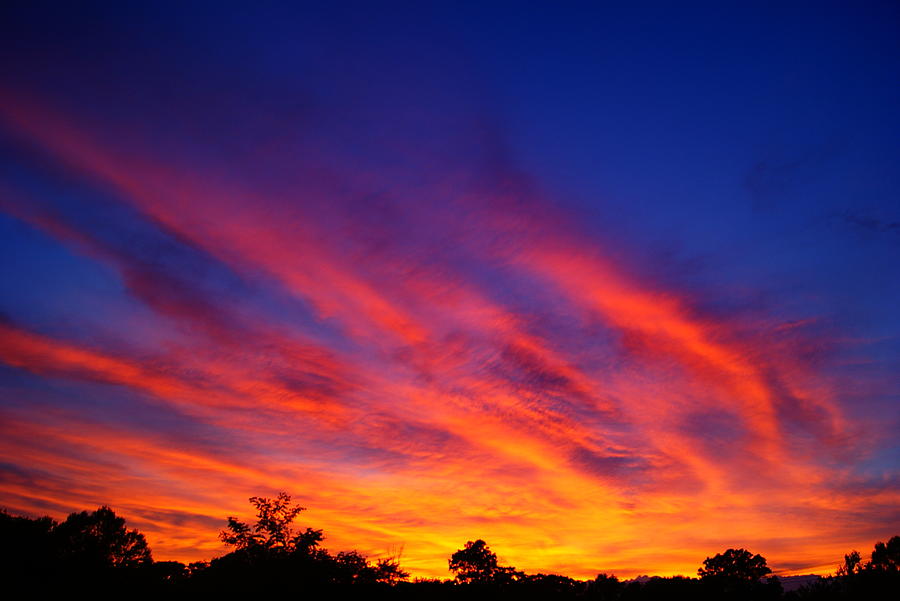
point(611, 289)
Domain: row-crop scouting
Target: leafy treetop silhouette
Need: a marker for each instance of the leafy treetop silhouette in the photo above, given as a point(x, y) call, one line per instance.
point(735, 564)
point(272, 530)
point(100, 539)
point(852, 564)
point(271, 546)
point(887, 556)
point(476, 563)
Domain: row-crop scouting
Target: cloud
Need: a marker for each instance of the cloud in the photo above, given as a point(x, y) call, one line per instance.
point(424, 372)
point(871, 223)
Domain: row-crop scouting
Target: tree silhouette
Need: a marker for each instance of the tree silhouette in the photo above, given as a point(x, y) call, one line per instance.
point(604, 587)
point(476, 563)
point(886, 557)
point(270, 551)
point(272, 530)
point(28, 544)
point(99, 539)
point(94, 552)
point(735, 564)
point(852, 564)
point(388, 571)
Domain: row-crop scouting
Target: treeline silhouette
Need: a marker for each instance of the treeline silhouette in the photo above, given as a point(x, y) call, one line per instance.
point(95, 553)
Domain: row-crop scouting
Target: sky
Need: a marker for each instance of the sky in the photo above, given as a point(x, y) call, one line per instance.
point(613, 288)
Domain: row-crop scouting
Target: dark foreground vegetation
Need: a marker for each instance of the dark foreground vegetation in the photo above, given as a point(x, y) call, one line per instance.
point(94, 553)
